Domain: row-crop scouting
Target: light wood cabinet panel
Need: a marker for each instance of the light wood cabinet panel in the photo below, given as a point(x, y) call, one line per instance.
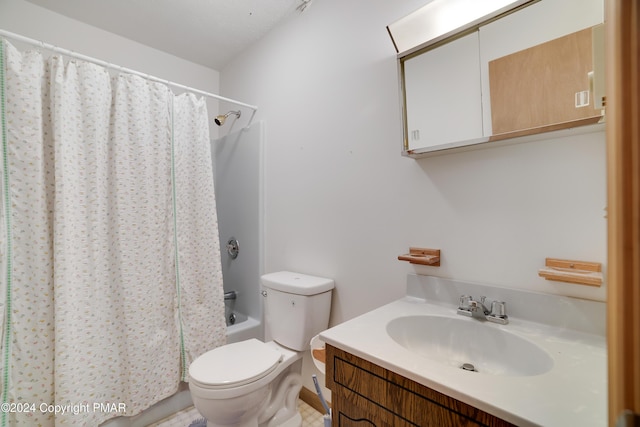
point(364, 394)
point(539, 89)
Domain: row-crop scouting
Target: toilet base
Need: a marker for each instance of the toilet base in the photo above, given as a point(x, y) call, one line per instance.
point(281, 408)
point(278, 407)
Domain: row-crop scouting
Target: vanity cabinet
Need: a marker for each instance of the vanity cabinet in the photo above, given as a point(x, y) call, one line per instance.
point(364, 394)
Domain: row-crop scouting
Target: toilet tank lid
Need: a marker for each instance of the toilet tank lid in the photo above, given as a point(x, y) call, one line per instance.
point(297, 283)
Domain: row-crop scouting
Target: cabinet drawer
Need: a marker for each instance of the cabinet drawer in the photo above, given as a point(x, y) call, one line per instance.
point(351, 410)
point(357, 383)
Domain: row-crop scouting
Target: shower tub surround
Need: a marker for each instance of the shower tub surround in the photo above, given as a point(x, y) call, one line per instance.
point(246, 327)
point(240, 326)
point(570, 388)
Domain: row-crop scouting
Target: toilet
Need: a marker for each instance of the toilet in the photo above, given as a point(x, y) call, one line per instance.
point(253, 383)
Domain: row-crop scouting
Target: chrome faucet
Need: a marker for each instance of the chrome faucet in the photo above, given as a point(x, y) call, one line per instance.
point(472, 308)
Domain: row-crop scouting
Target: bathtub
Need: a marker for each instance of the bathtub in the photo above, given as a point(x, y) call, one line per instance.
point(244, 328)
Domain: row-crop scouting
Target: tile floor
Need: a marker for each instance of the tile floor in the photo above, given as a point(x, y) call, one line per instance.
point(310, 417)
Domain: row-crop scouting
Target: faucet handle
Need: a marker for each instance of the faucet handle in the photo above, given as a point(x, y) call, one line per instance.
point(465, 301)
point(499, 309)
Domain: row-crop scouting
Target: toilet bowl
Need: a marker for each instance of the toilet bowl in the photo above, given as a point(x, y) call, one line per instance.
point(252, 383)
point(255, 372)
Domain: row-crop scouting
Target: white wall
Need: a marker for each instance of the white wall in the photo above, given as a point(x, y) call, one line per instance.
point(341, 202)
point(27, 19)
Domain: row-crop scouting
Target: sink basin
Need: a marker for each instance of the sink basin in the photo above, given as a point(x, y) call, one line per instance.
point(478, 346)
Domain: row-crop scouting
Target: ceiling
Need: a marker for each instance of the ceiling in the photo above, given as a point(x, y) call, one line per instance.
point(207, 32)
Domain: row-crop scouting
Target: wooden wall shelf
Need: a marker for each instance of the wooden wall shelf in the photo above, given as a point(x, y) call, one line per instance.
point(422, 256)
point(568, 271)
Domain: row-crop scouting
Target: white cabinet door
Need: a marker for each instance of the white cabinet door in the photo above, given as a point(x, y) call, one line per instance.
point(443, 95)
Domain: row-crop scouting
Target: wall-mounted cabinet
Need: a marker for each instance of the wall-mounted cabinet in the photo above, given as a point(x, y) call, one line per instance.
point(501, 77)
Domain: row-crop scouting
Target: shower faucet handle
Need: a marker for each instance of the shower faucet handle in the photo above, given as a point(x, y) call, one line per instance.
point(233, 248)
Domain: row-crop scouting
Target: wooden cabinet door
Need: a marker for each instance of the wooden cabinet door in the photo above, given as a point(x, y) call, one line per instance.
point(543, 86)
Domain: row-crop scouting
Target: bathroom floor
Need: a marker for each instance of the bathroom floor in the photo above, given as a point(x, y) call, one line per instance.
point(310, 417)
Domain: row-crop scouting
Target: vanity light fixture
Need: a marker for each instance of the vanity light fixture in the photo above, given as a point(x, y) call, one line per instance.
point(440, 19)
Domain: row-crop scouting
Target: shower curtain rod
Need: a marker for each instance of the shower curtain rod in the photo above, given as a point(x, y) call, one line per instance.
point(109, 65)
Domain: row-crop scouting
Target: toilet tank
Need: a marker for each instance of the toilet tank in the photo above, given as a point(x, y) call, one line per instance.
point(297, 307)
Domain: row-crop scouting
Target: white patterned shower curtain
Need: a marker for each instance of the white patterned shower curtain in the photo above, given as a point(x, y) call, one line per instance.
point(111, 277)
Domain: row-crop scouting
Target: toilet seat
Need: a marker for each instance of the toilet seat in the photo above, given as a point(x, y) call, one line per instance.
point(234, 365)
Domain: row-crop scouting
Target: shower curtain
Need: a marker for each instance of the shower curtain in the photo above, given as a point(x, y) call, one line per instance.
point(111, 277)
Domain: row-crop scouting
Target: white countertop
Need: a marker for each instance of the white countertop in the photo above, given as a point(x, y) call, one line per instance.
point(572, 392)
